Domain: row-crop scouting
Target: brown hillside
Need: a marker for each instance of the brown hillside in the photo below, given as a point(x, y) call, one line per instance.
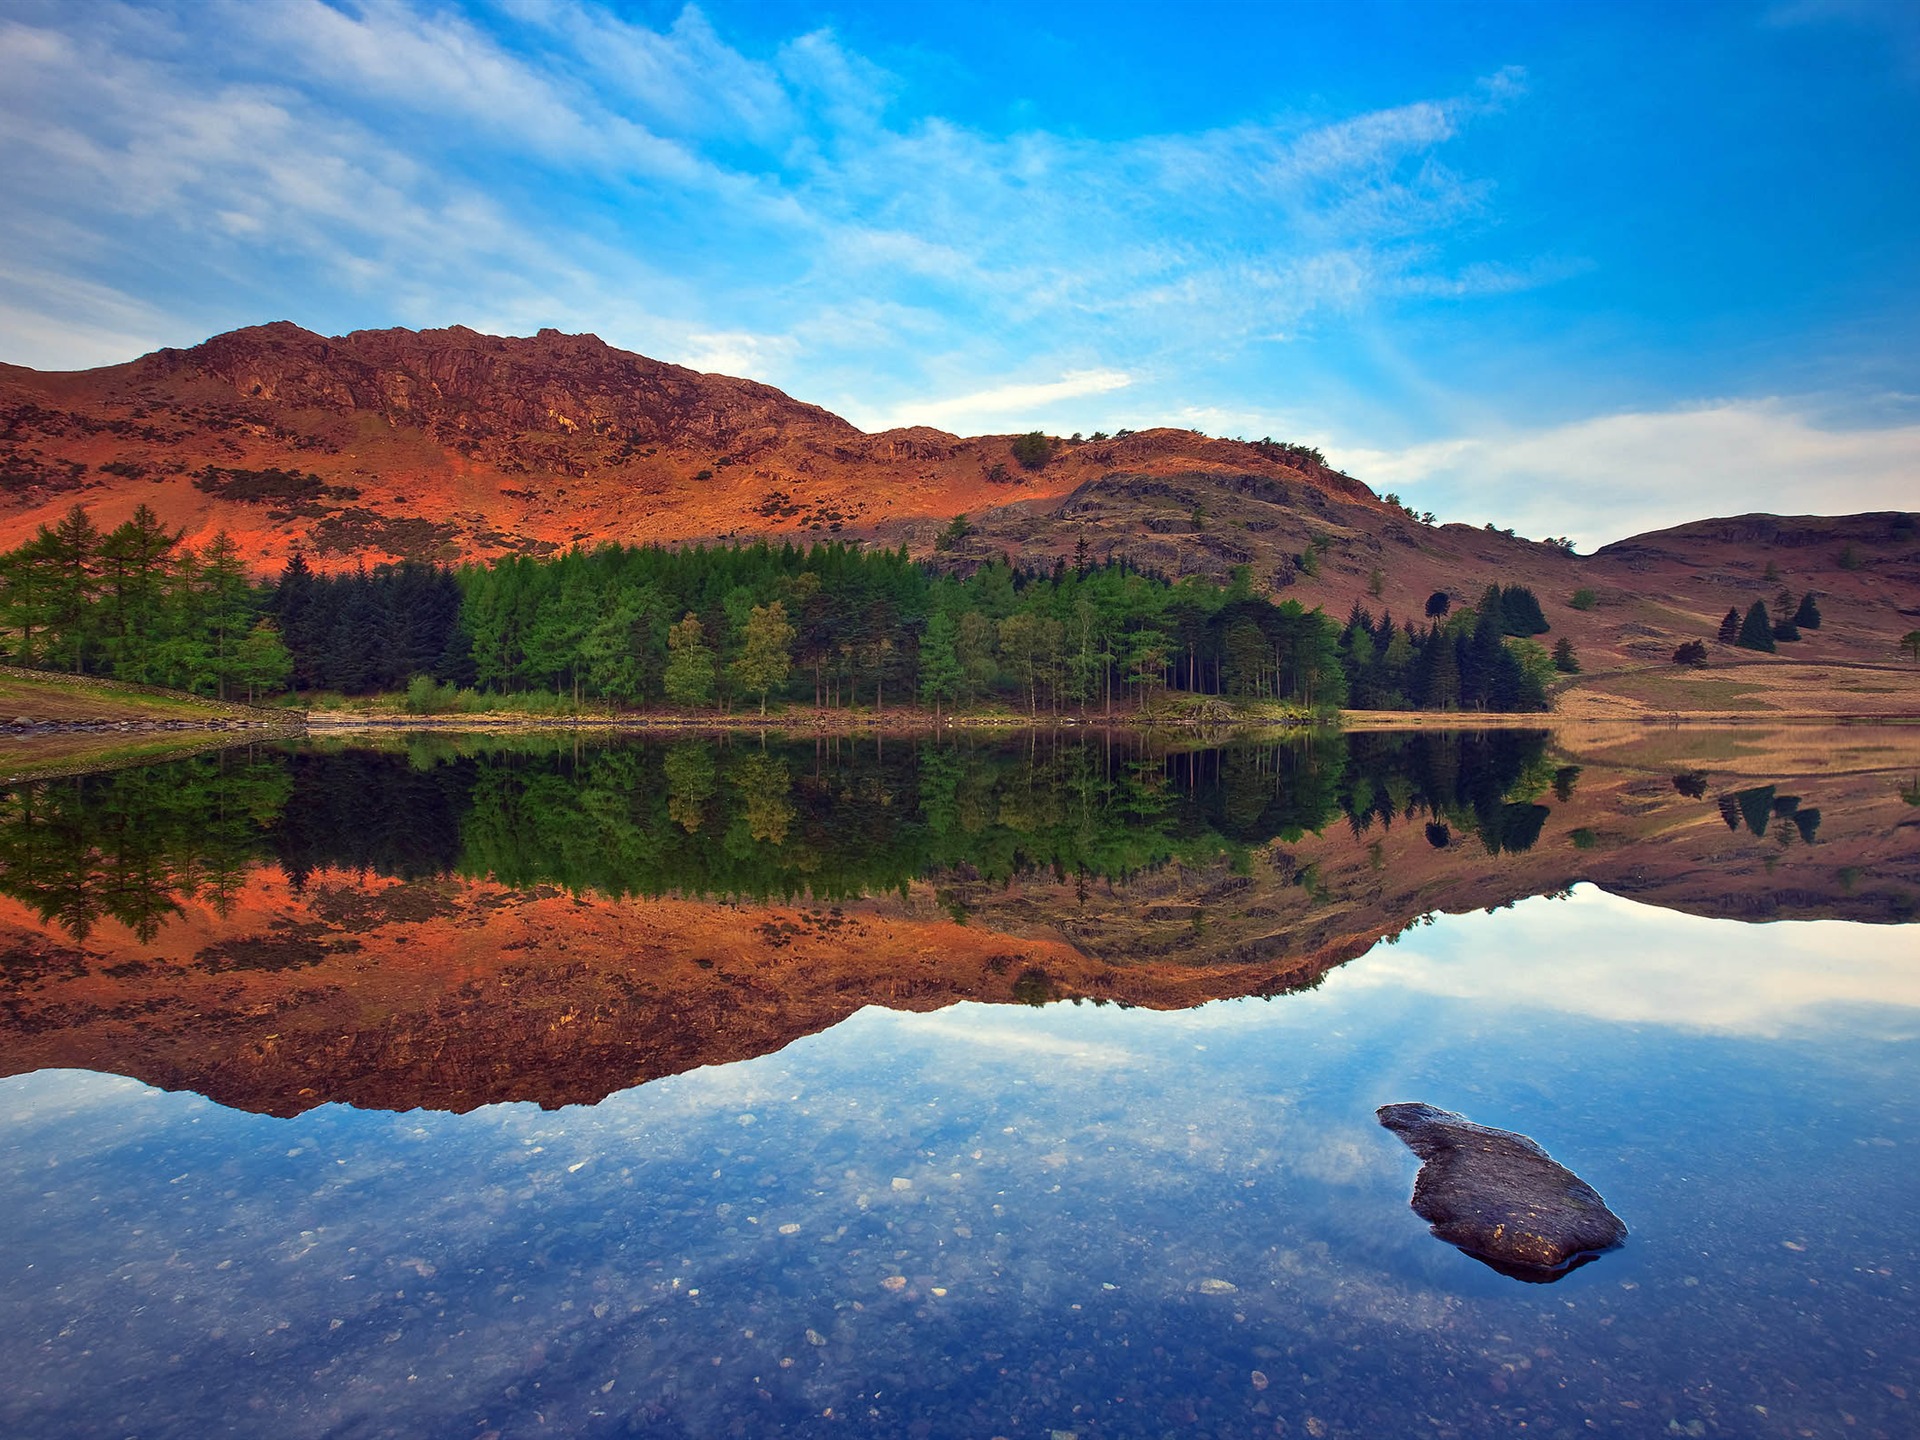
point(447, 444)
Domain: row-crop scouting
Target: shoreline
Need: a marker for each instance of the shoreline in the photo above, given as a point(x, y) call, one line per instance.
point(294, 723)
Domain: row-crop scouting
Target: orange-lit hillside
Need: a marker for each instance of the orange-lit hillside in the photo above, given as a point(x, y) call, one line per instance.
point(447, 444)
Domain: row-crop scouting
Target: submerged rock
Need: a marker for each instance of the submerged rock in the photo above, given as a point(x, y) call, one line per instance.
point(1500, 1197)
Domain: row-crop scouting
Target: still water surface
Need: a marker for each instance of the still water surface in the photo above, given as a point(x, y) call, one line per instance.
point(940, 1216)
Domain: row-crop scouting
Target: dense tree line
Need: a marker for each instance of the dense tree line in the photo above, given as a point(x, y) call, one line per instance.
point(1480, 658)
point(136, 604)
point(723, 626)
point(842, 626)
point(370, 630)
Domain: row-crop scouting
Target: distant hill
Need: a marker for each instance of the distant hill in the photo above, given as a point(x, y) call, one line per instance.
point(450, 445)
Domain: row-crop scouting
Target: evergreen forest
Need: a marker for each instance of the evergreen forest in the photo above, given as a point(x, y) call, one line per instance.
point(726, 627)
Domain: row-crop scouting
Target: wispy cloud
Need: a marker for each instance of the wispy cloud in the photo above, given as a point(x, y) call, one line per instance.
point(554, 160)
point(1009, 406)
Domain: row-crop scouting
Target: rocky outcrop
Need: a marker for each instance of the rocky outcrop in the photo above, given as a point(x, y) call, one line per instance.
point(1500, 1197)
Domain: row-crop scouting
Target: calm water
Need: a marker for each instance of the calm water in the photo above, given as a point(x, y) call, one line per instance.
point(865, 1191)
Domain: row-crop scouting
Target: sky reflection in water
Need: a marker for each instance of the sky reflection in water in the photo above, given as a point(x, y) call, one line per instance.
point(1001, 1220)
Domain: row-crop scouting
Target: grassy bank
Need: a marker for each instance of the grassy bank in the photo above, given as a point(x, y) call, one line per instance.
point(41, 697)
point(1176, 711)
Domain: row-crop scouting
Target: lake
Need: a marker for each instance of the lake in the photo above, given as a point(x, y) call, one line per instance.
point(462, 1085)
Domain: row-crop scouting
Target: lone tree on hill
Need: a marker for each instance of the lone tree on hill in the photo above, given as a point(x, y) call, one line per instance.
point(1807, 617)
point(1032, 449)
point(1756, 631)
point(1730, 627)
point(1564, 660)
point(1438, 604)
point(1910, 642)
point(1693, 653)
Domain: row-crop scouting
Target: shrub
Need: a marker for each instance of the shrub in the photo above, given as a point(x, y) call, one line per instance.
point(1032, 450)
point(427, 696)
point(1849, 558)
point(1584, 599)
point(1693, 653)
point(957, 530)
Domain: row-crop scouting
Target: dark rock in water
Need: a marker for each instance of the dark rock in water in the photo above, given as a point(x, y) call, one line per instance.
point(1500, 1197)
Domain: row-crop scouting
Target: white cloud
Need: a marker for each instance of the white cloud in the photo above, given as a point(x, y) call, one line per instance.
point(1604, 478)
point(1006, 407)
point(1619, 966)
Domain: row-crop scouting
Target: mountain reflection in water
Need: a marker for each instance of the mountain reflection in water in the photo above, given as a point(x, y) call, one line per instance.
point(449, 922)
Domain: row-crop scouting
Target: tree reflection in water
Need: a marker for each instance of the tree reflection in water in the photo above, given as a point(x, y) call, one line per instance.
point(732, 818)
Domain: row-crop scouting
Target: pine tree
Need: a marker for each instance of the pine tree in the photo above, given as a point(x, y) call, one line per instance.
point(1564, 660)
point(135, 561)
point(71, 555)
point(225, 612)
point(1440, 681)
point(1756, 631)
point(1520, 612)
point(261, 663)
point(24, 606)
point(940, 673)
point(1807, 617)
point(1730, 626)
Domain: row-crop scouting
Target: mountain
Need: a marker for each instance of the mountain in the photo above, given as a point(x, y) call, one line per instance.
point(449, 445)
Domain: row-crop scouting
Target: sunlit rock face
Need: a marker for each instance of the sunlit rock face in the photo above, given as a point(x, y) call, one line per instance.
point(1500, 1197)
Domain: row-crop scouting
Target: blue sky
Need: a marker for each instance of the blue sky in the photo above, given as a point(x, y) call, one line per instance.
point(1582, 269)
